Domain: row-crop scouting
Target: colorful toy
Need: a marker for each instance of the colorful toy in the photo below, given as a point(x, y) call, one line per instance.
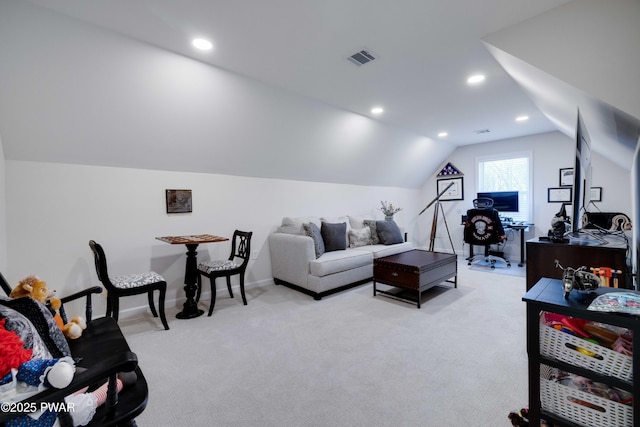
point(577, 278)
point(37, 289)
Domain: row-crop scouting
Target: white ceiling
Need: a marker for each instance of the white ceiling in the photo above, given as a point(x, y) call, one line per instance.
point(426, 49)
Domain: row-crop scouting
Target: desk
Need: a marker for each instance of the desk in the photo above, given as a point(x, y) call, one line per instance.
point(190, 307)
point(522, 228)
point(542, 255)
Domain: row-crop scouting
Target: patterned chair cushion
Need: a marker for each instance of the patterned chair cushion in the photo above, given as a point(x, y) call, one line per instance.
point(136, 280)
point(209, 266)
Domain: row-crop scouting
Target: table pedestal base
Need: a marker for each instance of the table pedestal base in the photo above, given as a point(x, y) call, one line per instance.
point(190, 307)
point(184, 314)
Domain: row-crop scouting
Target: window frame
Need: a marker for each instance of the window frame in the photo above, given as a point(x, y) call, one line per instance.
point(507, 156)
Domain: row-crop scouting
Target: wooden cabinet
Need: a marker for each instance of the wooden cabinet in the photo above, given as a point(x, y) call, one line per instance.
point(541, 256)
point(547, 295)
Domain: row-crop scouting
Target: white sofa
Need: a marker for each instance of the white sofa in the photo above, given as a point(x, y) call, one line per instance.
point(294, 260)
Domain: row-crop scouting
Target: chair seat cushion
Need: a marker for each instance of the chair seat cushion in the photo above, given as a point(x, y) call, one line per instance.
point(136, 280)
point(220, 265)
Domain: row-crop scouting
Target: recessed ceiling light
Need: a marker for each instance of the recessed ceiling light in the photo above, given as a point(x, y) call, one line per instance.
point(377, 110)
point(202, 44)
point(442, 134)
point(475, 79)
point(522, 118)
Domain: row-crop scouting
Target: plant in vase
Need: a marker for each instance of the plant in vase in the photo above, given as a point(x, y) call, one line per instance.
point(389, 210)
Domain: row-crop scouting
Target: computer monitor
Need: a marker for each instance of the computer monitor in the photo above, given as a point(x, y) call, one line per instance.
point(503, 201)
point(581, 175)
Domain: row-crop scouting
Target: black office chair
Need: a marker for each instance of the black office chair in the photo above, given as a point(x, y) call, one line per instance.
point(240, 249)
point(132, 284)
point(484, 228)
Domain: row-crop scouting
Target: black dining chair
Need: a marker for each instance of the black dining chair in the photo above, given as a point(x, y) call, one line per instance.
point(235, 265)
point(132, 284)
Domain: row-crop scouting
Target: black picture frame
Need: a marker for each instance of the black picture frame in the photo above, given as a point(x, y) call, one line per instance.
point(596, 194)
point(559, 195)
point(566, 177)
point(455, 192)
point(179, 201)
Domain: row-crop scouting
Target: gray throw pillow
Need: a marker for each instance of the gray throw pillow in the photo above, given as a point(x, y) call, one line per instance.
point(334, 236)
point(374, 231)
point(313, 231)
point(388, 232)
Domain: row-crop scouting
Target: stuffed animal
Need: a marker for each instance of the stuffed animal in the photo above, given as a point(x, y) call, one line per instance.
point(37, 289)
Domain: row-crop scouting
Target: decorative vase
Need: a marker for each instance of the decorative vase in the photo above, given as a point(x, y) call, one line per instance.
point(388, 217)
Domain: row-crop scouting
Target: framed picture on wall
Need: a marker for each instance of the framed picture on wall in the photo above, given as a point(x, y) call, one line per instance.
point(566, 177)
point(178, 201)
point(451, 188)
point(596, 194)
point(559, 195)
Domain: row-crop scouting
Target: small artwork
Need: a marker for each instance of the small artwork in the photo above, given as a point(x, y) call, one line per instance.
point(596, 194)
point(566, 177)
point(179, 201)
point(559, 195)
point(451, 189)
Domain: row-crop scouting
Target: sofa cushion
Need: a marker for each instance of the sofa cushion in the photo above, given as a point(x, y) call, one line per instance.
point(388, 232)
point(313, 231)
point(380, 251)
point(339, 261)
point(359, 237)
point(371, 223)
point(334, 236)
point(295, 225)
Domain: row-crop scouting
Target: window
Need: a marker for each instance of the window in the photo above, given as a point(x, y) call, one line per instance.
point(508, 172)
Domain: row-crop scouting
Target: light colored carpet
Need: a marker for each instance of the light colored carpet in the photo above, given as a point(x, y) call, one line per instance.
point(349, 360)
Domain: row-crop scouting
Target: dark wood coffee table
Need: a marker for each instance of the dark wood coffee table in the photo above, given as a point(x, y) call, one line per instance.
point(415, 270)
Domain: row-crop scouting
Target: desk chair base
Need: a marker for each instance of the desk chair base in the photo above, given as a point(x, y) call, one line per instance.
point(489, 259)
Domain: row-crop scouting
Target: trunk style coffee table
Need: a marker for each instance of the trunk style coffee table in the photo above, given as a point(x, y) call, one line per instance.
point(415, 270)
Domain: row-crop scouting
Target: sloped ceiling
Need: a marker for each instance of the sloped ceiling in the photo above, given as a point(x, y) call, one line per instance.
point(582, 55)
point(115, 83)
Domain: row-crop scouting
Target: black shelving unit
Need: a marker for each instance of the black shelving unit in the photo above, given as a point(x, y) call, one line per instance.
point(548, 295)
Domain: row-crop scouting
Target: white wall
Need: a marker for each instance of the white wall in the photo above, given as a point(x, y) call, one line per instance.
point(551, 152)
point(53, 210)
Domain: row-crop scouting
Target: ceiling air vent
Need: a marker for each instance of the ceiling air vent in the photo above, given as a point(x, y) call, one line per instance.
point(479, 131)
point(361, 57)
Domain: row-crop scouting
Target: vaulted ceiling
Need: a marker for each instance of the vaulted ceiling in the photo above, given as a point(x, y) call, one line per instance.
point(95, 82)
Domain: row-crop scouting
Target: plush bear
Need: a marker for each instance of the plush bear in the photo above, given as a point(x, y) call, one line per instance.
point(37, 289)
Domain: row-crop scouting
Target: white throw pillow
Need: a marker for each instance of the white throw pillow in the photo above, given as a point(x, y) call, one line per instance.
point(359, 237)
point(294, 225)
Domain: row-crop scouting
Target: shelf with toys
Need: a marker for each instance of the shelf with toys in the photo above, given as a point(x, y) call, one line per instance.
point(581, 360)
